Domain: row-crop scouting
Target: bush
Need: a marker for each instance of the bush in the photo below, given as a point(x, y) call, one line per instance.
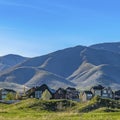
point(10, 96)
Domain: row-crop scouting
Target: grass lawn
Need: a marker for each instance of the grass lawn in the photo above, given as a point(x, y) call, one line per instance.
point(32, 115)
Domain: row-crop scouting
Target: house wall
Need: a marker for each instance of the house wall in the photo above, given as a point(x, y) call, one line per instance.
point(38, 94)
point(89, 96)
point(72, 95)
point(84, 97)
point(97, 92)
point(107, 93)
point(60, 94)
point(3, 94)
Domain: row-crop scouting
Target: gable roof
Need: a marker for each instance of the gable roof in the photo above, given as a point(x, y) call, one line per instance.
point(87, 92)
point(9, 90)
point(42, 87)
point(70, 88)
point(39, 88)
point(98, 87)
point(61, 89)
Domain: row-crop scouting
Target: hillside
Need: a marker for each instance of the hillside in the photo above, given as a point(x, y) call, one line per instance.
point(79, 66)
point(113, 47)
point(63, 105)
point(63, 62)
point(13, 86)
point(10, 60)
point(32, 76)
point(98, 67)
point(33, 109)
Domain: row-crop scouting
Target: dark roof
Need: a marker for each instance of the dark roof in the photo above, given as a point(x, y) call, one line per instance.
point(70, 88)
point(9, 90)
point(52, 90)
point(117, 92)
point(98, 87)
point(87, 92)
point(62, 89)
point(31, 89)
point(41, 88)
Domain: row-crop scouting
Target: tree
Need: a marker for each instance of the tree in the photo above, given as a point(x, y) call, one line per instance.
point(46, 95)
point(10, 96)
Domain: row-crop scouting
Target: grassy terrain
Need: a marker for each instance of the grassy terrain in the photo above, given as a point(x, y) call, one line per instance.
point(33, 109)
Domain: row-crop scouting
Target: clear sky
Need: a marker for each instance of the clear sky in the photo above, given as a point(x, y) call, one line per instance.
point(37, 27)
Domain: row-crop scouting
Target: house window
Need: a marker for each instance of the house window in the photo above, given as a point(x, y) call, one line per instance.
point(104, 91)
point(38, 94)
point(3, 97)
point(109, 91)
point(98, 92)
point(105, 95)
point(111, 96)
point(31, 96)
point(89, 95)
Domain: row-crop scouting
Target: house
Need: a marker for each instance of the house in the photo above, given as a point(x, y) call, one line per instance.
point(97, 90)
point(36, 92)
point(72, 94)
point(117, 95)
point(107, 93)
point(87, 95)
point(4, 92)
point(68, 93)
point(31, 90)
point(60, 94)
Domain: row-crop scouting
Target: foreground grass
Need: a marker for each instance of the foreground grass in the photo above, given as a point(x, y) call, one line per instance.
point(33, 109)
point(32, 115)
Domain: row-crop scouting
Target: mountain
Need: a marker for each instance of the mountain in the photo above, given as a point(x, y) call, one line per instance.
point(98, 67)
point(13, 86)
point(32, 76)
point(113, 47)
point(10, 60)
point(63, 62)
point(80, 67)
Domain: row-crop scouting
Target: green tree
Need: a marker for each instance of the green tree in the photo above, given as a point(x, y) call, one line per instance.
point(10, 96)
point(46, 95)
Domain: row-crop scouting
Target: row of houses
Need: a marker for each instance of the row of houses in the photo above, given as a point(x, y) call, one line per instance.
point(68, 93)
point(105, 92)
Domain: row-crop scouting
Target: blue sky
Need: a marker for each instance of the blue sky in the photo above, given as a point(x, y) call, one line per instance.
point(36, 27)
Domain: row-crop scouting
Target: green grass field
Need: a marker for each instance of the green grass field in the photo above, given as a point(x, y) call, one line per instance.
point(33, 109)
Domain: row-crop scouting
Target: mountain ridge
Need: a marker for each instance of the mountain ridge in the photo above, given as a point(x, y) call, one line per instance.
point(78, 66)
point(10, 60)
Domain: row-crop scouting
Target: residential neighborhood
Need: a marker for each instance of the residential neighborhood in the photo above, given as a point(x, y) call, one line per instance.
point(61, 93)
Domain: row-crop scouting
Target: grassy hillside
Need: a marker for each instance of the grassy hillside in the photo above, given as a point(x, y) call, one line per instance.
point(33, 109)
